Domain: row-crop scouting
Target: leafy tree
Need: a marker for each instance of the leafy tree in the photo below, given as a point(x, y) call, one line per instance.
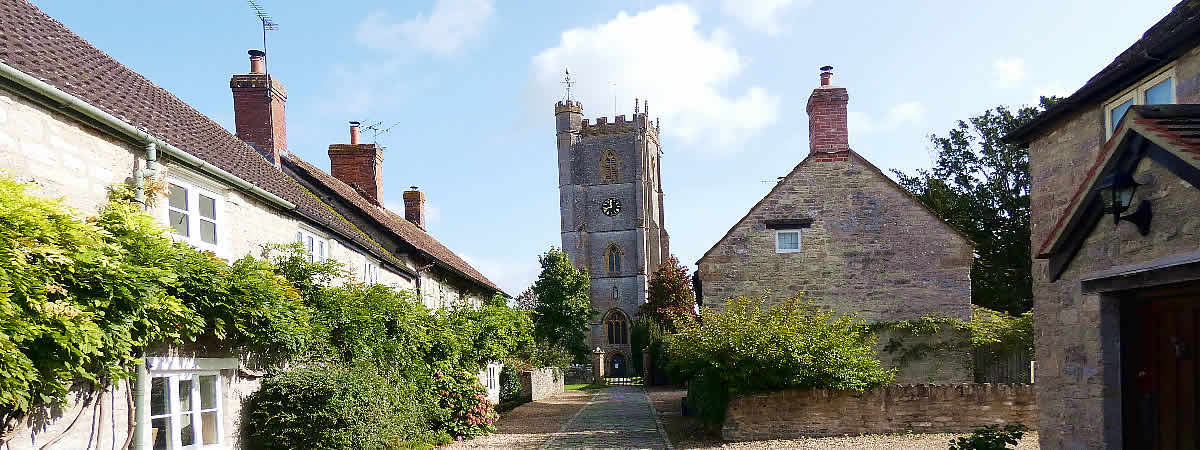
point(980, 186)
point(526, 301)
point(563, 310)
point(669, 295)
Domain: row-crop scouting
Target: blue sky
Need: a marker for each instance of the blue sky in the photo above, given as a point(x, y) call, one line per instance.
point(471, 84)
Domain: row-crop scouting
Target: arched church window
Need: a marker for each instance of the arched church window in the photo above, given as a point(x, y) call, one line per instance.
point(612, 257)
point(609, 166)
point(618, 328)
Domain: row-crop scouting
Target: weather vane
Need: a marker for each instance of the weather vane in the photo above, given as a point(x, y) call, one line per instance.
point(267, 23)
point(568, 82)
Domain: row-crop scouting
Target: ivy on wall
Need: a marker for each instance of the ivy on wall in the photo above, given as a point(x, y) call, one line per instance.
point(989, 331)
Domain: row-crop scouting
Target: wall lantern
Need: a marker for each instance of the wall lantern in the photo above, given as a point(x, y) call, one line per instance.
point(1116, 194)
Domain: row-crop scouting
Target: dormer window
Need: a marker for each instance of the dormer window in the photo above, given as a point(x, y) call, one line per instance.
point(1156, 90)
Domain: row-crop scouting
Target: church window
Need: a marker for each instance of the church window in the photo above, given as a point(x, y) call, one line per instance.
point(787, 241)
point(618, 328)
point(609, 166)
point(612, 256)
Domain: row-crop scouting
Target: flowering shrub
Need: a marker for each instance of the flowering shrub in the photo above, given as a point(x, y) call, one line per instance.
point(466, 411)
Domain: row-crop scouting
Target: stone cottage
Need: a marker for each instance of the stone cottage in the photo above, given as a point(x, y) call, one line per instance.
point(1116, 242)
point(839, 230)
point(74, 121)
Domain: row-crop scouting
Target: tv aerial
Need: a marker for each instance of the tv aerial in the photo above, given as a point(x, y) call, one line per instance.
point(377, 129)
point(268, 24)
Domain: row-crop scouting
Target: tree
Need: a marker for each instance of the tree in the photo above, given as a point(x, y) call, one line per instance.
point(669, 295)
point(563, 308)
point(526, 301)
point(980, 186)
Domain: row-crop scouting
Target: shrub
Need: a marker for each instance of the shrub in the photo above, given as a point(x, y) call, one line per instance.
point(332, 408)
point(755, 347)
point(991, 437)
point(465, 411)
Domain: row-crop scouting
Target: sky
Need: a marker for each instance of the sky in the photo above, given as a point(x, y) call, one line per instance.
point(466, 88)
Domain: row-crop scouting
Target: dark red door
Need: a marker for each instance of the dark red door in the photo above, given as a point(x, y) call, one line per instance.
point(1160, 382)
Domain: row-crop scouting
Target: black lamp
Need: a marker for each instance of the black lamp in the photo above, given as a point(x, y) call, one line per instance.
point(1116, 194)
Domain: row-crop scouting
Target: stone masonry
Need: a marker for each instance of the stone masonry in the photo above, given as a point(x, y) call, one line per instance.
point(957, 408)
point(541, 383)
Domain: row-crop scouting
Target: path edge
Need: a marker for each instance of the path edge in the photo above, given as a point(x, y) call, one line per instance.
point(563, 429)
point(662, 430)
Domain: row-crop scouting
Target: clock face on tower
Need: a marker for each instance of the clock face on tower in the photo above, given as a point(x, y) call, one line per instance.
point(611, 207)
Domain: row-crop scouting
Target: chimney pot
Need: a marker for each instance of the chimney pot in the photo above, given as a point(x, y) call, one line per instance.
point(258, 61)
point(826, 75)
point(354, 133)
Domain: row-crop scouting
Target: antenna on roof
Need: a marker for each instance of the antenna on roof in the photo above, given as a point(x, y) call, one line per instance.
point(377, 130)
point(267, 23)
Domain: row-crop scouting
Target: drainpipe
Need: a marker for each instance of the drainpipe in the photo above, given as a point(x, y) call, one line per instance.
point(141, 406)
point(140, 175)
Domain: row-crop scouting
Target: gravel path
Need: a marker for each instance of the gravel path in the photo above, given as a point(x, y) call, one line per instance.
point(689, 433)
point(532, 424)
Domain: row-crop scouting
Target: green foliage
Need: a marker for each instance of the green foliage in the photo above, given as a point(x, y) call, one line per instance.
point(646, 333)
point(563, 307)
point(669, 295)
point(755, 347)
point(991, 437)
point(465, 410)
point(991, 331)
point(980, 186)
point(332, 408)
point(490, 333)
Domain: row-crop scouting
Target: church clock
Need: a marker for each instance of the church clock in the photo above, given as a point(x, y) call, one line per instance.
point(611, 207)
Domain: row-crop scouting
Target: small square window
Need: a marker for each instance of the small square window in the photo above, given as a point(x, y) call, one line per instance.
point(787, 241)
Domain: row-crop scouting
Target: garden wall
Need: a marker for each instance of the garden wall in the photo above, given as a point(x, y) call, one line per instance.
point(541, 383)
point(895, 408)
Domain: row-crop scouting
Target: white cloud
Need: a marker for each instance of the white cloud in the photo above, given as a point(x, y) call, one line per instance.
point(662, 55)
point(761, 15)
point(1008, 71)
point(900, 114)
point(450, 25)
point(512, 275)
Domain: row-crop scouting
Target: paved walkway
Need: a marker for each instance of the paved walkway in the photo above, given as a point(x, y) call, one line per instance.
point(617, 417)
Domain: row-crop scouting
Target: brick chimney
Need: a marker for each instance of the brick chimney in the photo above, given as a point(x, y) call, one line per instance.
point(258, 109)
point(414, 206)
point(359, 165)
point(827, 131)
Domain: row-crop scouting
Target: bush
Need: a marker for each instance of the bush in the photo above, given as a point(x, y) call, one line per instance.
point(990, 437)
point(332, 408)
point(754, 347)
point(465, 411)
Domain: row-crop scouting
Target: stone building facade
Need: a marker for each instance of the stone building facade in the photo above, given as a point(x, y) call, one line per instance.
point(74, 121)
point(837, 229)
point(612, 217)
point(1115, 306)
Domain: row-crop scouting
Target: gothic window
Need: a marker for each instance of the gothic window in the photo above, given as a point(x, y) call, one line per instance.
point(612, 258)
point(609, 166)
point(618, 328)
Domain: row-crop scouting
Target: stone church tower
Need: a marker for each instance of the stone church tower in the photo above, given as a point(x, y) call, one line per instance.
point(611, 198)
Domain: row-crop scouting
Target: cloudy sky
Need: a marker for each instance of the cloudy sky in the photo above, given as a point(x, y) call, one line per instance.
point(470, 87)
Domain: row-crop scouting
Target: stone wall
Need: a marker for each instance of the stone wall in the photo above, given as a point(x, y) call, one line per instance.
point(541, 383)
point(892, 409)
point(1077, 334)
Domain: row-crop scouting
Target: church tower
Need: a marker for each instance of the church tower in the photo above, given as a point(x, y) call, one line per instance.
point(611, 198)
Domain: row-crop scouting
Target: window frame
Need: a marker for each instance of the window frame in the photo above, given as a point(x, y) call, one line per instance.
point(611, 251)
point(320, 249)
point(194, 190)
point(370, 271)
point(1137, 92)
point(617, 328)
point(174, 413)
point(799, 240)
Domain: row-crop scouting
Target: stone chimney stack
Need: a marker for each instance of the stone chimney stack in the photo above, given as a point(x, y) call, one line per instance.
point(359, 165)
point(414, 206)
point(258, 109)
point(827, 130)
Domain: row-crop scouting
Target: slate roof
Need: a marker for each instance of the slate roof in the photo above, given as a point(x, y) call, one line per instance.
point(33, 42)
point(1173, 35)
point(402, 228)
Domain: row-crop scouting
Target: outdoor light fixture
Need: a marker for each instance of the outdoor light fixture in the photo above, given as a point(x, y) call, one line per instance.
point(1116, 194)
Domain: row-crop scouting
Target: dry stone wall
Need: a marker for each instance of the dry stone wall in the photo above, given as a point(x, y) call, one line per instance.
point(892, 409)
point(541, 383)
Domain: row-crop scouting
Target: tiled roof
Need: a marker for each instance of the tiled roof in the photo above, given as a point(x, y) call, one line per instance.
point(1177, 32)
point(403, 229)
point(35, 43)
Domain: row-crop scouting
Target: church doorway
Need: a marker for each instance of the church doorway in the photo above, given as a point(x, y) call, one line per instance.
point(617, 366)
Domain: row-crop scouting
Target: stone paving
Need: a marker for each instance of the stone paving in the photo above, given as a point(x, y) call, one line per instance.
point(617, 417)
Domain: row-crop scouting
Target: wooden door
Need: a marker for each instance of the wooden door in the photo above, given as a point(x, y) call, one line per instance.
point(1160, 381)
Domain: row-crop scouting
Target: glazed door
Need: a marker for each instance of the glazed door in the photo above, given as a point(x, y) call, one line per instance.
point(1160, 379)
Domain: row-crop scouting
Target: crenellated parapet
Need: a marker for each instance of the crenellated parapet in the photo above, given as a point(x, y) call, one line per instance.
point(620, 124)
point(570, 106)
